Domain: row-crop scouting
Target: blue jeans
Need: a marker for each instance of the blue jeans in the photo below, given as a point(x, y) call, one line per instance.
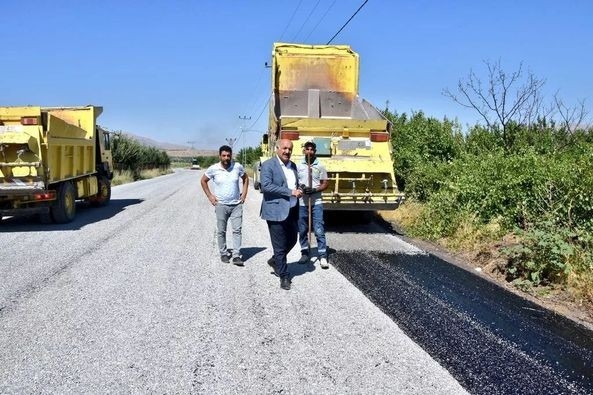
point(317, 226)
point(225, 213)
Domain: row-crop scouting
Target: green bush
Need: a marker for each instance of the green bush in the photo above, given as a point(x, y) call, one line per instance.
point(538, 184)
point(421, 140)
point(548, 254)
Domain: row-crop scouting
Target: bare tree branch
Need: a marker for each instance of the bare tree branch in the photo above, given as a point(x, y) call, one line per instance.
point(573, 117)
point(508, 97)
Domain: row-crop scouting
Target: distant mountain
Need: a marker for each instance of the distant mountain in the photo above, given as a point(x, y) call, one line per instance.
point(157, 144)
point(173, 150)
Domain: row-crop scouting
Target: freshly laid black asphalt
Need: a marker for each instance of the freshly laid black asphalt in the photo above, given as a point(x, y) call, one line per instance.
point(490, 340)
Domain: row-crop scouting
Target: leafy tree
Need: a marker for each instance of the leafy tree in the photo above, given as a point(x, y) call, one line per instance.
point(480, 140)
point(249, 155)
point(129, 154)
point(126, 152)
point(418, 140)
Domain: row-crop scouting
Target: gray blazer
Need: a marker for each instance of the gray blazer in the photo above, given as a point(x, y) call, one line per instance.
point(275, 205)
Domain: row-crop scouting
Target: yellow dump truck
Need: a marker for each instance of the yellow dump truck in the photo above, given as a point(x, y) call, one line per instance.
point(51, 157)
point(315, 98)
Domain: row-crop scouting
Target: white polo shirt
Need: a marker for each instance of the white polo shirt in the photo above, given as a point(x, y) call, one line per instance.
point(226, 182)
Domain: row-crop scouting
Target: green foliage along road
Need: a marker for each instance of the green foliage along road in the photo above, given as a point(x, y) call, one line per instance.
point(129, 154)
point(535, 183)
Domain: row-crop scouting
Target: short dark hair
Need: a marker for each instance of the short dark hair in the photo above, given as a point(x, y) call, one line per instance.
point(225, 148)
point(310, 144)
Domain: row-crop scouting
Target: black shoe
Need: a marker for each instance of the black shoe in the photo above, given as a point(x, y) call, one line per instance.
point(285, 283)
point(271, 262)
point(237, 261)
point(304, 258)
point(225, 259)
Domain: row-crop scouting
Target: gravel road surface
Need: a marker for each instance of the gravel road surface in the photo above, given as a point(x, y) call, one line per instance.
point(132, 298)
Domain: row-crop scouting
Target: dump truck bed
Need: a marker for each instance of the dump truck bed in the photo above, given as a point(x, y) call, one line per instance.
point(315, 98)
point(51, 145)
point(321, 104)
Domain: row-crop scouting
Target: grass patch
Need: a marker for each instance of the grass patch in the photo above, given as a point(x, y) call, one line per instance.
point(180, 164)
point(405, 216)
point(126, 176)
point(471, 235)
point(152, 173)
point(122, 177)
point(580, 286)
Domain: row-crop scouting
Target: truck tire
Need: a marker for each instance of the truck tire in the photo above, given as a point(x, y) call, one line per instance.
point(64, 208)
point(103, 197)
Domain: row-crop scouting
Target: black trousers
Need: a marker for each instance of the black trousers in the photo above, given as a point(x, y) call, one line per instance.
point(283, 235)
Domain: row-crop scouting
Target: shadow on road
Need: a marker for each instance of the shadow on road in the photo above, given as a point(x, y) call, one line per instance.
point(250, 252)
point(355, 222)
point(85, 214)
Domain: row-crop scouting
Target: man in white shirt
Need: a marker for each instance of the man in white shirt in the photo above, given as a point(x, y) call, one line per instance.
point(227, 200)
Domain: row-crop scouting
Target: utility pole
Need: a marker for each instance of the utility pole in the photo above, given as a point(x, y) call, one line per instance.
point(192, 144)
point(230, 141)
point(244, 118)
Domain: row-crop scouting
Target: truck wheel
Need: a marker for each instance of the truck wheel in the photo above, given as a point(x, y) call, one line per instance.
point(103, 197)
point(64, 208)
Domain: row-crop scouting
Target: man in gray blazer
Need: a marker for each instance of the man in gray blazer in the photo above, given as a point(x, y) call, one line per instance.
point(279, 185)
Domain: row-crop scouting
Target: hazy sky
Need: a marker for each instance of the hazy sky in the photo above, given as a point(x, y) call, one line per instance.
point(179, 71)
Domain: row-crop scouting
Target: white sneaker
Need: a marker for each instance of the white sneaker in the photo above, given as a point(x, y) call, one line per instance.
point(323, 263)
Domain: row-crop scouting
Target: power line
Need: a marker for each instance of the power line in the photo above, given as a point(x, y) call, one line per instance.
point(306, 20)
point(320, 20)
point(348, 21)
point(255, 88)
point(244, 118)
point(261, 112)
point(262, 72)
point(266, 103)
point(290, 20)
